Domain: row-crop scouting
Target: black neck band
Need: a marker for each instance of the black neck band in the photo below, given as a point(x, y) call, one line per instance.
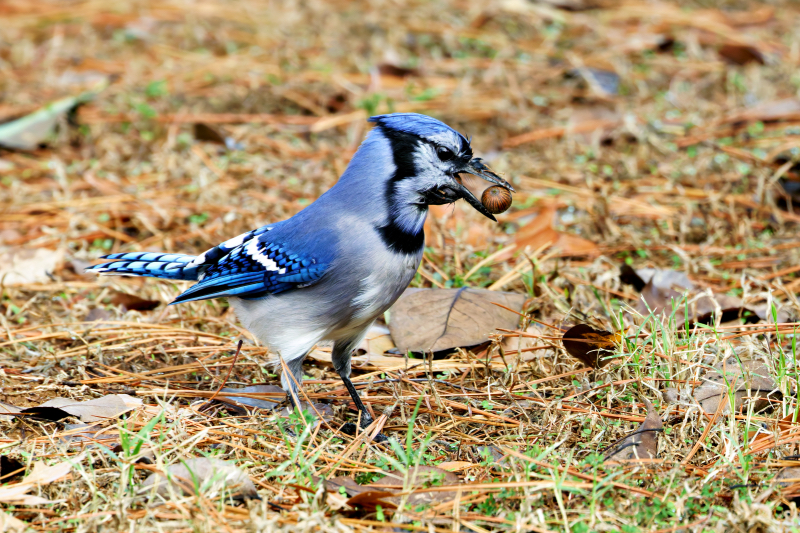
point(393, 235)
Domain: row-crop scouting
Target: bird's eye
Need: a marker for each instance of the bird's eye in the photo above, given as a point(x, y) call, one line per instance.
point(444, 154)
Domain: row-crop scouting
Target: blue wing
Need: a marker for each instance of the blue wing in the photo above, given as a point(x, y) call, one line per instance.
point(172, 266)
point(269, 260)
point(261, 265)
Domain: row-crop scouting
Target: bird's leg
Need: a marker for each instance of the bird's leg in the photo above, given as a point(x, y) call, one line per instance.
point(366, 419)
point(342, 352)
point(292, 380)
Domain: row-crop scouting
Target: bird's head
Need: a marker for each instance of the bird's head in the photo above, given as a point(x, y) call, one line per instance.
point(428, 157)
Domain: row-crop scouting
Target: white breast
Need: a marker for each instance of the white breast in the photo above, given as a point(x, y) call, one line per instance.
point(390, 276)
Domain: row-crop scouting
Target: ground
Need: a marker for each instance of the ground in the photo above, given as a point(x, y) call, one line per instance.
point(652, 135)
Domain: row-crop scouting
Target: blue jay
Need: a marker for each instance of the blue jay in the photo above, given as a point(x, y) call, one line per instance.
point(329, 271)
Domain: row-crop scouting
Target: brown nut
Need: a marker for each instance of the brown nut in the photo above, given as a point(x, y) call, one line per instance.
point(496, 199)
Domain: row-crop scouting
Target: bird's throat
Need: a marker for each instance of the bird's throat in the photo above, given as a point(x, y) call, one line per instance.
point(403, 232)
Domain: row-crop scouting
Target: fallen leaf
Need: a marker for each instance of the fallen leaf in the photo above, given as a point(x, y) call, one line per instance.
point(377, 341)
point(370, 499)
point(425, 320)
point(35, 129)
point(748, 380)
point(455, 466)
point(493, 454)
point(629, 276)
point(789, 479)
point(663, 288)
point(383, 491)
point(590, 346)
point(7, 411)
point(204, 132)
point(10, 469)
point(384, 362)
point(48, 414)
point(202, 475)
point(593, 123)
point(786, 109)
point(11, 524)
point(19, 266)
point(97, 410)
point(539, 233)
point(97, 314)
point(642, 443)
point(88, 435)
point(325, 410)
point(131, 302)
point(572, 5)
point(604, 82)
point(351, 488)
point(40, 475)
point(272, 396)
point(389, 69)
point(741, 54)
point(671, 395)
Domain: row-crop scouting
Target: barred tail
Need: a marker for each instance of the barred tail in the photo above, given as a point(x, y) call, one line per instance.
point(150, 264)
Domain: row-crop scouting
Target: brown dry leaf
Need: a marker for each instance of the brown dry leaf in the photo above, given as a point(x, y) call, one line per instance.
point(784, 426)
point(590, 346)
point(660, 288)
point(88, 435)
point(10, 469)
point(642, 443)
point(350, 486)
point(272, 396)
point(202, 475)
point(750, 380)
point(789, 479)
point(383, 491)
point(786, 109)
point(456, 466)
point(208, 133)
point(28, 265)
point(40, 475)
point(425, 320)
point(741, 54)
point(35, 129)
point(131, 302)
point(7, 411)
point(592, 124)
point(97, 410)
point(539, 233)
point(325, 410)
point(11, 524)
point(377, 341)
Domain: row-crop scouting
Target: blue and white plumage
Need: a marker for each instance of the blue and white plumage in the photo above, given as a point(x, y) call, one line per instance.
point(329, 271)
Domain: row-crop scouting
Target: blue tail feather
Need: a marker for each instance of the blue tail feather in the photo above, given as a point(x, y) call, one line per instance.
point(150, 264)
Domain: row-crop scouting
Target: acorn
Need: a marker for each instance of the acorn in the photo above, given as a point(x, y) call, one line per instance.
point(496, 199)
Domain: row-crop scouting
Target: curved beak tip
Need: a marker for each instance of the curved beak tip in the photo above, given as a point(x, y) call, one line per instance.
point(478, 168)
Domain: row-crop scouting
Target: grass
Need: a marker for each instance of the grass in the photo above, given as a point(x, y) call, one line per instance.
point(682, 168)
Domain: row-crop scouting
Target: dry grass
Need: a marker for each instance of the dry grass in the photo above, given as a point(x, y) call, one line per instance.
point(677, 169)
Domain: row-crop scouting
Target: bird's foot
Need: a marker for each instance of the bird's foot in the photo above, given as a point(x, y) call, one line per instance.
point(351, 429)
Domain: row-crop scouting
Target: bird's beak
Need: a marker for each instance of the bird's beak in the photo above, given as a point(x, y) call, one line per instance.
point(477, 167)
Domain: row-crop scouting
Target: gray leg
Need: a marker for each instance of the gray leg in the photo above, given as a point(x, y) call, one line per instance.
point(295, 367)
point(342, 353)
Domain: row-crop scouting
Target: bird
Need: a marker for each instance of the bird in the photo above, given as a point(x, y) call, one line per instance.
point(329, 271)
